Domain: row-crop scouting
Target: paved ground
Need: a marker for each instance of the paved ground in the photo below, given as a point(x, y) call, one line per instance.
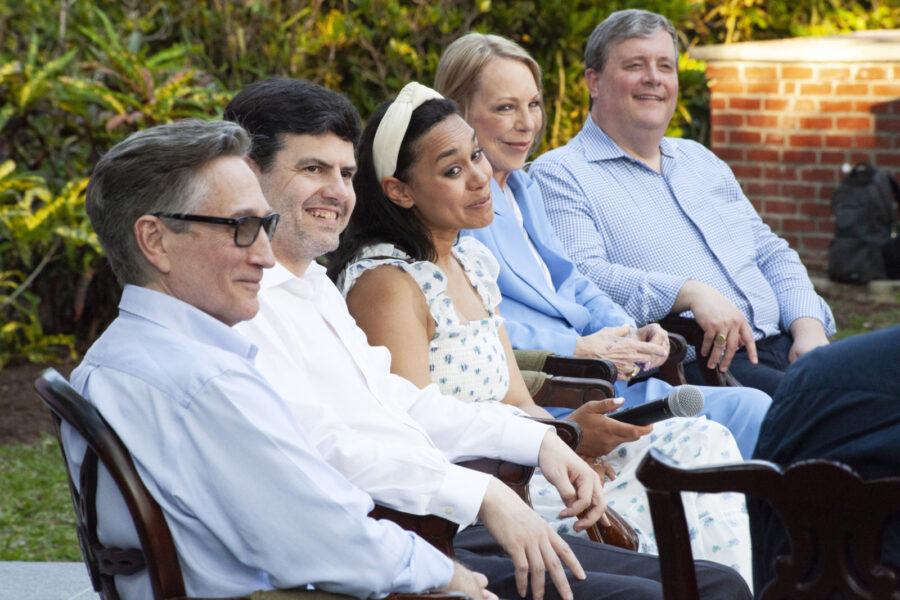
point(45, 581)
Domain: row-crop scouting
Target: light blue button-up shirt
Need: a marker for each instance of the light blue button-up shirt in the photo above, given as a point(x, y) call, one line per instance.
point(639, 235)
point(250, 502)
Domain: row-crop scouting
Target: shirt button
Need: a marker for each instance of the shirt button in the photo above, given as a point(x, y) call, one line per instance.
point(448, 510)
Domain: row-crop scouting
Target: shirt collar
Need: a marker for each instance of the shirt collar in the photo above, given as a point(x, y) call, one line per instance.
point(599, 146)
point(170, 312)
point(304, 286)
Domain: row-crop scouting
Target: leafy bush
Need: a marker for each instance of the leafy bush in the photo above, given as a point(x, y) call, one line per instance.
point(76, 77)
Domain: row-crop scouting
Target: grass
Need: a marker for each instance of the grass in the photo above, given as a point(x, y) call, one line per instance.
point(37, 522)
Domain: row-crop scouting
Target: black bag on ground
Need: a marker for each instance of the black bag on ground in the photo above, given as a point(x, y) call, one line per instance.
point(865, 217)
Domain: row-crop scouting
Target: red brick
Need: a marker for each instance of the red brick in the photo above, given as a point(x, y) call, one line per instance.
point(773, 222)
point(755, 188)
point(788, 72)
point(792, 240)
point(730, 119)
point(780, 207)
point(858, 157)
point(854, 123)
point(838, 141)
point(802, 106)
point(757, 204)
point(790, 88)
point(717, 136)
point(744, 137)
point(747, 171)
point(872, 73)
point(798, 225)
point(887, 123)
point(762, 87)
point(717, 103)
point(806, 141)
point(774, 139)
point(758, 120)
point(816, 242)
point(888, 159)
point(897, 72)
point(726, 86)
point(760, 72)
point(783, 173)
point(873, 141)
point(816, 209)
point(797, 190)
point(798, 156)
point(881, 108)
point(864, 106)
point(824, 226)
point(836, 106)
point(826, 192)
point(762, 155)
point(816, 89)
point(715, 71)
point(837, 73)
point(833, 158)
point(776, 104)
point(815, 123)
point(851, 89)
point(729, 154)
point(891, 90)
point(744, 103)
point(819, 175)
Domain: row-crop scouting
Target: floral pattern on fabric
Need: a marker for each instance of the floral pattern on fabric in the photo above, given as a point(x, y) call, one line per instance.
point(466, 360)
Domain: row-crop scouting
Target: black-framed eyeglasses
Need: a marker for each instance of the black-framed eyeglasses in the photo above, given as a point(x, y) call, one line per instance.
point(246, 229)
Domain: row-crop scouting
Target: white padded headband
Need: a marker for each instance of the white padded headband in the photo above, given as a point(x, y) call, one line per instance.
point(390, 132)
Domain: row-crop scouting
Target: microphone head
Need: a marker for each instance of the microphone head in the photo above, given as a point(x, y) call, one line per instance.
point(685, 401)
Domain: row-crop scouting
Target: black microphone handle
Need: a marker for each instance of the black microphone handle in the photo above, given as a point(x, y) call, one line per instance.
point(644, 414)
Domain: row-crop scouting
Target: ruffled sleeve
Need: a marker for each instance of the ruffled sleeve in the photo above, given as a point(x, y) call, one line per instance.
point(369, 258)
point(481, 268)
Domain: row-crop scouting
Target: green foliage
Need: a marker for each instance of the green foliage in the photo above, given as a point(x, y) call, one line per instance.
point(37, 521)
point(77, 77)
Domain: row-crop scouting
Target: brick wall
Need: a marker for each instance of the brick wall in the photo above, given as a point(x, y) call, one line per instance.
point(786, 118)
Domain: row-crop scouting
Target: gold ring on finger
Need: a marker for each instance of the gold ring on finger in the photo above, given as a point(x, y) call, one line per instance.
point(637, 370)
point(720, 340)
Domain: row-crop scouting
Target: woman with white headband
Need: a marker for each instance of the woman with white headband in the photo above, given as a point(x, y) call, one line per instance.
point(430, 296)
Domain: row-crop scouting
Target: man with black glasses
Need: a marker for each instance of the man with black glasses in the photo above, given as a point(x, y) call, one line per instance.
point(249, 501)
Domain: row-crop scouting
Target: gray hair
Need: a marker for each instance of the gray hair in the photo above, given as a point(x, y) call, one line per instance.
point(620, 26)
point(155, 170)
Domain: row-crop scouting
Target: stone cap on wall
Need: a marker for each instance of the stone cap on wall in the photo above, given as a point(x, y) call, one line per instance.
point(881, 45)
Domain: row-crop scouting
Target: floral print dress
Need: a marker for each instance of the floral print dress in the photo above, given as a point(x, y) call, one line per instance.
point(466, 360)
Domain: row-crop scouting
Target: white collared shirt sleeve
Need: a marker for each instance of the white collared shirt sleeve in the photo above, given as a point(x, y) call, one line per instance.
point(359, 431)
point(249, 500)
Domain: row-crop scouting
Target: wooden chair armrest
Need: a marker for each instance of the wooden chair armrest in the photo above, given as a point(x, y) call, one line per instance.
point(431, 596)
point(437, 531)
point(568, 431)
point(576, 366)
point(572, 392)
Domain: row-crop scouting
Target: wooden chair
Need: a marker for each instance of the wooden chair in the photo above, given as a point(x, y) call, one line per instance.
point(157, 553)
point(833, 518)
point(691, 331)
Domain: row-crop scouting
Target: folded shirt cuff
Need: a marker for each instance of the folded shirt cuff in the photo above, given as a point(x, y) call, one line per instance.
point(521, 441)
point(460, 496)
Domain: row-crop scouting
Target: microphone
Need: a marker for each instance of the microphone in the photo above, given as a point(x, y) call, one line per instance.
point(683, 401)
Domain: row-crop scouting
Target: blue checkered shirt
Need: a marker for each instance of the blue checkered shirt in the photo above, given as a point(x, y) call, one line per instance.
point(639, 235)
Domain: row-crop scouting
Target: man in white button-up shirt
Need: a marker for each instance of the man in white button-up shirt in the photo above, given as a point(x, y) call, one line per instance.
point(392, 439)
point(249, 501)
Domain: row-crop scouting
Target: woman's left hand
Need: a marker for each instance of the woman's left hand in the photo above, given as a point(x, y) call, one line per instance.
point(653, 333)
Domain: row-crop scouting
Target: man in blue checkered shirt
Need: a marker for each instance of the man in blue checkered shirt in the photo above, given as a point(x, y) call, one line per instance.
point(662, 225)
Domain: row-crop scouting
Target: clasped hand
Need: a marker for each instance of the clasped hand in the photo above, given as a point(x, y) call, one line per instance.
point(626, 347)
